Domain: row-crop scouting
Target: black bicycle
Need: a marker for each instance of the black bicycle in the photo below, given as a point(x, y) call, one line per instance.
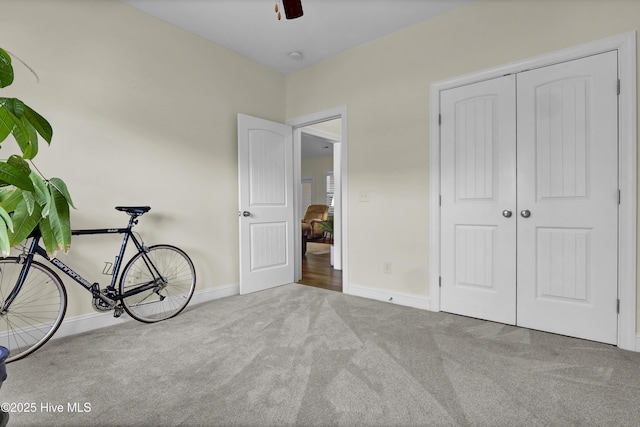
point(156, 284)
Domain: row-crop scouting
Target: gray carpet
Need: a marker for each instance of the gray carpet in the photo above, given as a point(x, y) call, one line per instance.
point(297, 355)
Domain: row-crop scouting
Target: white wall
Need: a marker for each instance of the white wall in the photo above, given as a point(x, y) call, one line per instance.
point(142, 113)
point(385, 85)
point(316, 168)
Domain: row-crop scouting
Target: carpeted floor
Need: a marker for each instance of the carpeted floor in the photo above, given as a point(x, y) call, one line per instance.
point(297, 355)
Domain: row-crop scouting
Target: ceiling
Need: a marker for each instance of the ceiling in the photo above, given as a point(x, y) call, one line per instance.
point(315, 146)
point(328, 27)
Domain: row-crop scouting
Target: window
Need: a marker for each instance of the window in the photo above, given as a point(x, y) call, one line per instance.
point(329, 189)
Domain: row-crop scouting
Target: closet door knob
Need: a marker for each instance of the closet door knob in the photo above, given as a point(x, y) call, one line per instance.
point(526, 213)
point(506, 213)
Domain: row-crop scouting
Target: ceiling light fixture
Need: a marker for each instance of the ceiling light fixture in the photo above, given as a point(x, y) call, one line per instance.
point(295, 55)
point(292, 9)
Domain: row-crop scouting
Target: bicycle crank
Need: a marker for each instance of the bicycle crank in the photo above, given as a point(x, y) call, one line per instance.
point(103, 303)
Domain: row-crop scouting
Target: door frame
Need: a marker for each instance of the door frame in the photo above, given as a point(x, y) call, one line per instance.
point(625, 44)
point(341, 229)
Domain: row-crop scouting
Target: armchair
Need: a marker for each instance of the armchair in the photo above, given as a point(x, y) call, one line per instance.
point(311, 229)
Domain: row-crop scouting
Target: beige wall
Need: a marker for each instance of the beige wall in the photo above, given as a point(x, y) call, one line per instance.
point(316, 168)
point(385, 85)
point(143, 113)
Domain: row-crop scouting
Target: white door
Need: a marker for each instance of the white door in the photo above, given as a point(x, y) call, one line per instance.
point(266, 207)
point(478, 180)
point(568, 185)
point(559, 273)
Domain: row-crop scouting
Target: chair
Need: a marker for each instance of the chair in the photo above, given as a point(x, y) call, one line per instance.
point(311, 229)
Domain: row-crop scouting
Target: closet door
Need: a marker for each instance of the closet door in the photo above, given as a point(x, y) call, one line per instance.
point(568, 198)
point(478, 208)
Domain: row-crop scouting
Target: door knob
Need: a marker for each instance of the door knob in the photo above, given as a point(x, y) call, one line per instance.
point(246, 213)
point(526, 213)
point(506, 213)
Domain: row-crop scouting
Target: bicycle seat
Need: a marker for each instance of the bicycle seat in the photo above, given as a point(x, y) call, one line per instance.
point(134, 210)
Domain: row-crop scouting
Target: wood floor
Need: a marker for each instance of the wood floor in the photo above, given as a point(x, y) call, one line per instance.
point(317, 272)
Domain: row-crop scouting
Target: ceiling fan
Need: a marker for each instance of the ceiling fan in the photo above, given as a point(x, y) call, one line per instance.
point(292, 9)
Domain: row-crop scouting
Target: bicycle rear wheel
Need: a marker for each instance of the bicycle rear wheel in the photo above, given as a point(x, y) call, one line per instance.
point(174, 275)
point(36, 313)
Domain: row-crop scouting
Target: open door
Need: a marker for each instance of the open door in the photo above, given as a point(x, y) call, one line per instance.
point(266, 205)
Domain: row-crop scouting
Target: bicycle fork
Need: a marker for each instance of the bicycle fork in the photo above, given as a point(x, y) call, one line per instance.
point(25, 260)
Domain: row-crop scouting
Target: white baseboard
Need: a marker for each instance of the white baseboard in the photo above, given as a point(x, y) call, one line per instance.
point(215, 293)
point(91, 321)
point(408, 300)
point(638, 342)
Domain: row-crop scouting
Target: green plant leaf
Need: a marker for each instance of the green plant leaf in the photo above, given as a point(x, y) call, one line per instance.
point(62, 188)
point(20, 163)
point(42, 195)
point(59, 219)
point(32, 146)
point(21, 135)
point(24, 135)
point(39, 123)
point(14, 109)
point(17, 107)
point(9, 198)
point(25, 125)
point(6, 69)
point(24, 222)
point(48, 239)
point(30, 200)
point(5, 247)
point(7, 121)
point(6, 218)
point(14, 176)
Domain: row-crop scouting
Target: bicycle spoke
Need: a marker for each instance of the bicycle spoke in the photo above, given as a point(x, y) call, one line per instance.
point(36, 312)
point(176, 283)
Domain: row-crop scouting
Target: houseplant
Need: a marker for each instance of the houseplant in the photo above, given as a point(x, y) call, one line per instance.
point(27, 198)
point(327, 227)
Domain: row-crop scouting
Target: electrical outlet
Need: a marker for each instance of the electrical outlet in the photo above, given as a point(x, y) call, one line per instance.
point(364, 196)
point(386, 267)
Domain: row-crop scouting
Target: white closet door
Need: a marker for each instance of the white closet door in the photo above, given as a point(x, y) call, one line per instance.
point(478, 183)
point(568, 198)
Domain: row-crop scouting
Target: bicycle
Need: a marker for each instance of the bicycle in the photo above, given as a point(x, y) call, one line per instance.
point(156, 284)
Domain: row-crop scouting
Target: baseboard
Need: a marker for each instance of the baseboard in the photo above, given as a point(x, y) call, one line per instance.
point(638, 342)
point(91, 321)
point(408, 300)
point(215, 293)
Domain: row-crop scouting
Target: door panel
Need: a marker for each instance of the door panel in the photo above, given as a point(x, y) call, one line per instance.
point(265, 165)
point(478, 182)
point(568, 180)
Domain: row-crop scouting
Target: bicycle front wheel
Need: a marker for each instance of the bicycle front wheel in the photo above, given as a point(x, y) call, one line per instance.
point(35, 314)
point(173, 276)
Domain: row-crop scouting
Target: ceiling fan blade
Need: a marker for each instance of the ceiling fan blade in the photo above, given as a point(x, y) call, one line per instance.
point(292, 8)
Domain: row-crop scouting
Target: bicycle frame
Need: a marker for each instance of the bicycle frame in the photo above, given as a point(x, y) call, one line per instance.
point(94, 288)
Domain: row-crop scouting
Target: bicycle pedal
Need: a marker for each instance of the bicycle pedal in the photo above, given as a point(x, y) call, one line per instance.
point(117, 312)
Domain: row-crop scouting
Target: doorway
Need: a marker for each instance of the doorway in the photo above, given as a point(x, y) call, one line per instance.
point(340, 202)
point(317, 204)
